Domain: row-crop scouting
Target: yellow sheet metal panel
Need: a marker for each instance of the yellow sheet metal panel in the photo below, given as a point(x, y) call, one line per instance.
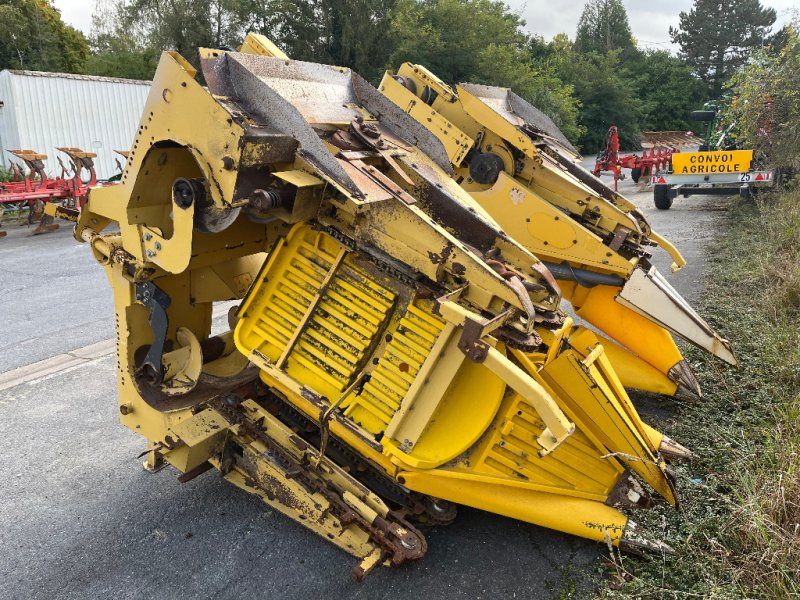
point(593, 400)
point(456, 142)
point(578, 516)
point(634, 373)
point(317, 316)
point(718, 161)
point(644, 338)
point(511, 451)
point(545, 229)
point(463, 412)
point(255, 43)
point(408, 347)
point(198, 436)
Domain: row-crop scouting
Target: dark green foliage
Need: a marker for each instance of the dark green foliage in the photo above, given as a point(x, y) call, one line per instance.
point(481, 41)
point(717, 36)
point(139, 27)
point(33, 37)
point(767, 108)
point(450, 37)
point(608, 96)
point(120, 56)
point(604, 27)
point(667, 89)
point(617, 84)
point(347, 33)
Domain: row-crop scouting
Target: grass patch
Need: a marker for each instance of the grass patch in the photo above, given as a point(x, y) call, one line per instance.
point(737, 531)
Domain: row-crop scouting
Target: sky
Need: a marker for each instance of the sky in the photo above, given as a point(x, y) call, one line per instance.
point(649, 19)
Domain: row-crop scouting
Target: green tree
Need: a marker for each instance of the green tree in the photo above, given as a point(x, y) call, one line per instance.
point(481, 41)
point(536, 82)
point(33, 36)
point(347, 33)
point(607, 93)
point(603, 27)
point(767, 107)
point(717, 36)
point(121, 56)
point(181, 25)
point(668, 90)
point(450, 36)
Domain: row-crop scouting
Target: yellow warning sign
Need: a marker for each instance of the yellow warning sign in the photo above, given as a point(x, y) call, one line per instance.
point(720, 161)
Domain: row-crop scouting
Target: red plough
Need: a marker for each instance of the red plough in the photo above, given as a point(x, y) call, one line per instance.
point(648, 164)
point(34, 189)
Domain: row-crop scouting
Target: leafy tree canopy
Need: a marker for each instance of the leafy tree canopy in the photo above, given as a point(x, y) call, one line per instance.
point(121, 56)
point(347, 33)
point(717, 36)
point(603, 27)
point(608, 96)
point(33, 36)
point(481, 41)
point(181, 25)
point(767, 106)
point(450, 37)
point(668, 89)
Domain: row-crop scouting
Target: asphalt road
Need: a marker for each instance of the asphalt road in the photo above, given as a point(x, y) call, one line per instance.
point(79, 518)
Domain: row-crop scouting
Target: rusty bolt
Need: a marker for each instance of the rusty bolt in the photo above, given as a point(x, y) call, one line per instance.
point(370, 130)
point(125, 409)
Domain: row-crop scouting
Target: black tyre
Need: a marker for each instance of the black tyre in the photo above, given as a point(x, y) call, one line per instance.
point(636, 174)
point(661, 197)
point(702, 115)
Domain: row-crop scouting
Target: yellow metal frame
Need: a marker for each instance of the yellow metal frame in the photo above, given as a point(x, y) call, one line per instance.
point(343, 318)
point(557, 217)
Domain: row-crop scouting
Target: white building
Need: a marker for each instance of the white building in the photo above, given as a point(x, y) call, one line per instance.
point(43, 111)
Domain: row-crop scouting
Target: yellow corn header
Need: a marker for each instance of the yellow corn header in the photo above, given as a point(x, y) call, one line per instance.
point(398, 346)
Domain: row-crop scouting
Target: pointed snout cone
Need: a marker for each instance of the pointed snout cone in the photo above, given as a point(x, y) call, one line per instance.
point(650, 295)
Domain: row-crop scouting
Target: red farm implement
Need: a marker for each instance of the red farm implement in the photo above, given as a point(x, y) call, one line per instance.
point(662, 145)
point(32, 188)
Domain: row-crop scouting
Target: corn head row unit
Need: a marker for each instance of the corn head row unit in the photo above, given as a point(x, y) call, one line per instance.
point(399, 347)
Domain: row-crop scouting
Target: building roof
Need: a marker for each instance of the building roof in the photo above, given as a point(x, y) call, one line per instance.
point(24, 73)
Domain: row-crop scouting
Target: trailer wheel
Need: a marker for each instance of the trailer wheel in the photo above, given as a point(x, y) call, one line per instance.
point(661, 197)
point(636, 174)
